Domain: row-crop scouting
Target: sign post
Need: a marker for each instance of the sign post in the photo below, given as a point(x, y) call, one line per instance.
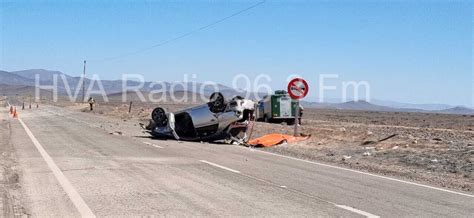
point(297, 117)
point(297, 89)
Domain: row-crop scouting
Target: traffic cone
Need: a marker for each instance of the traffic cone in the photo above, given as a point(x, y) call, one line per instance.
point(15, 114)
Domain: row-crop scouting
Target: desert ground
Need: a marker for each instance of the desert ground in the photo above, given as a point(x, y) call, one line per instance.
point(434, 149)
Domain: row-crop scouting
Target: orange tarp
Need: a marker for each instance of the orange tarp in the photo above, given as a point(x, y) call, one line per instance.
point(275, 139)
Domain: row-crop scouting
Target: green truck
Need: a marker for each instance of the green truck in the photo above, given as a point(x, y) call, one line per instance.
point(278, 107)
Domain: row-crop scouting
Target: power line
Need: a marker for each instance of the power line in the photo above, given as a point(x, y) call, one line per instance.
point(181, 36)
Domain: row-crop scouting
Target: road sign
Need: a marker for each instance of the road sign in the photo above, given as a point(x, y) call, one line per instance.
point(298, 88)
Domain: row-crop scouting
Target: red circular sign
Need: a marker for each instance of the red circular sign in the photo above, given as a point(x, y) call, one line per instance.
point(298, 88)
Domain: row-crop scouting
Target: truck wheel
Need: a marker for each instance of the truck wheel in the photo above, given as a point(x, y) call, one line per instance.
point(290, 122)
point(265, 119)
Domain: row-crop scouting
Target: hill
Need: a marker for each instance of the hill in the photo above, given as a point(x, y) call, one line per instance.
point(20, 90)
point(161, 97)
point(43, 75)
point(189, 91)
point(8, 78)
point(360, 105)
point(64, 81)
point(457, 110)
point(408, 106)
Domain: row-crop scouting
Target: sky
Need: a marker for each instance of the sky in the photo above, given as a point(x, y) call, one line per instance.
point(407, 51)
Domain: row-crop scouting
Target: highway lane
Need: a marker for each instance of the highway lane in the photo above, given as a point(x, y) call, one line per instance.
point(122, 175)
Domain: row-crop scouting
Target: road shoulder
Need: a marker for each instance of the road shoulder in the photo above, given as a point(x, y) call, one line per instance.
point(12, 204)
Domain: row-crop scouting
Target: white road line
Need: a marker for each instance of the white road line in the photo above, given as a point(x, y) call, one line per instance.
point(76, 199)
point(156, 146)
point(363, 213)
point(151, 144)
point(311, 196)
point(220, 166)
point(367, 214)
point(368, 174)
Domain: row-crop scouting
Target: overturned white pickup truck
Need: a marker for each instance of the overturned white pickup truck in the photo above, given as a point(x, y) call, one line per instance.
point(217, 120)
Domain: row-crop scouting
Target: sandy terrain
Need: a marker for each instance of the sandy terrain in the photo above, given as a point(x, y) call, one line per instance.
point(434, 149)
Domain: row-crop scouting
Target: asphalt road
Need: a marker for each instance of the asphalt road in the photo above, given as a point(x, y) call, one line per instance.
point(70, 166)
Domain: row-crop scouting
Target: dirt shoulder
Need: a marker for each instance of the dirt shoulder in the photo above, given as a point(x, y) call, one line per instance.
point(437, 157)
point(10, 191)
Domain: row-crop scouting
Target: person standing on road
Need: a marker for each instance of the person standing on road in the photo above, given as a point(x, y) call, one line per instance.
point(91, 102)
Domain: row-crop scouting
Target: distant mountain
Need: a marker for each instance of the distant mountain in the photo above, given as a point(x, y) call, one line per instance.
point(394, 104)
point(44, 75)
point(13, 81)
point(27, 77)
point(360, 105)
point(310, 104)
point(366, 106)
point(12, 90)
point(8, 78)
point(161, 97)
point(457, 110)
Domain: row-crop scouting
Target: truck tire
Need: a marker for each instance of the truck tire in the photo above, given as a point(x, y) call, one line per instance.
point(266, 119)
point(290, 122)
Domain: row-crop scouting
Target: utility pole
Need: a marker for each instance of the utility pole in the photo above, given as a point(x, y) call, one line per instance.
point(83, 82)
